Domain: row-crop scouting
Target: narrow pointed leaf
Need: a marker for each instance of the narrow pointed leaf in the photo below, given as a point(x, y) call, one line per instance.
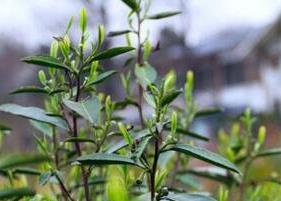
point(118, 33)
point(16, 160)
point(131, 4)
point(46, 61)
point(26, 171)
point(89, 109)
point(102, 77)
point(79, 140)
point(189, 197)
point(188, 133)
point(170, 97)
point(208, 112)
point(106, 159)
point(111, 53)
point(212, 173)
point(142, 146)
point(162, 15)
point(204, 155)
point(10, 193)
point(29, 89)
point(33, 113)
point(269, 152)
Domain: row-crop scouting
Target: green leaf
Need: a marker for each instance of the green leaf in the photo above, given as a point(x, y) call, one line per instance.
point(212, 173)
point(9, 193)
point(142, 145)
point(127, 136)
point(27, 171)
point(204, 155)
point(16, 160)
point(170, 97)
point(89, 109)
point(121, 144)
point(79, 140)
point(118, 33)
point(106, 159)
point(189, 133)
point(101, 35)
point(269, 152)
point(29, 89)
point(83, 20)
point(146, 74)
point(46, 61)
point(162, 15)
point(208, 112)
point(44, 128)
point(101, 77)
point(69, 24)
point(185, 197)
point(131, 4)
point(16, 171)
point(33, 113)
point(110, 53)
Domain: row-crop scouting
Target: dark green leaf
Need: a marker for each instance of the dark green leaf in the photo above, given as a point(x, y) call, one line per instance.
point(16, 160)
point(9, 193)
point(79, 140)
point(189, 133)
point(29, 89)
point(118, 33)
point(119, 145)
point(110, 53)
point(204, 155)
point(213, 173)
point(93, 181)
point(132, 4)
point(142, 146)
point(47, 61)
point(162, 15)
point(137, 135)
point(27, 171)
point(33, 113)
point(89, 109)
point(269, 152)
point(187, 197)
point(106, 159)
point(192, 134)
point(208, 112)
point(170, 97)
point(101, 77)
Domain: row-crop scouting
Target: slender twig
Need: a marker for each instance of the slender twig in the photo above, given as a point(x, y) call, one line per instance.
point(63, 189)
point(154, 169)
point(139, 62)
point(75, 126)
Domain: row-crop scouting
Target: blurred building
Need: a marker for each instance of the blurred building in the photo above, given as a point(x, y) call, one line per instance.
point(234, 69)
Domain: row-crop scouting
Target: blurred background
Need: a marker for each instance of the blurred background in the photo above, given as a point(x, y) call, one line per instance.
point(233, 47)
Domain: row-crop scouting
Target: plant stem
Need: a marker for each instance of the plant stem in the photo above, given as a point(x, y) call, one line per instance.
point(75, 126)
point(63, 189)
point(140, 63)
point(154, 169)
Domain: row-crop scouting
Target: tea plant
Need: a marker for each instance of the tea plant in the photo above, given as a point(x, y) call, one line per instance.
point(87, 152)
point(244, 147)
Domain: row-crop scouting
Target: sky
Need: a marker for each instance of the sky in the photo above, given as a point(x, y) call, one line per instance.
point(34, 22)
